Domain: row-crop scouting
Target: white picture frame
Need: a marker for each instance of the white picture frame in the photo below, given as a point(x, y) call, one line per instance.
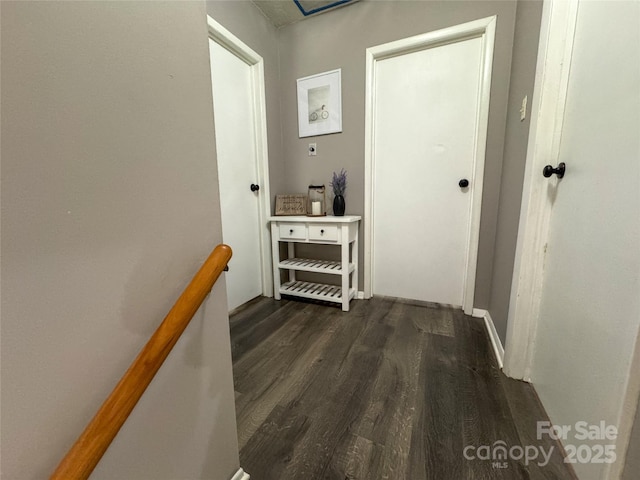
point(320, 104)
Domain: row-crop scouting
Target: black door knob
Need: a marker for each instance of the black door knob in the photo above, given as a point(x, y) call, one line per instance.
point(549, 170)
point(464, 183)
point(254, 187)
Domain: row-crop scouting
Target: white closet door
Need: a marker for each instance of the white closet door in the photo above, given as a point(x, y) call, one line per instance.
point(425, 116)
point(234, 112)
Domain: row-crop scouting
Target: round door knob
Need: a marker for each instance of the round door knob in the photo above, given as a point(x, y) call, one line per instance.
point(254, 187)
point(549, 170)
point(464, 183)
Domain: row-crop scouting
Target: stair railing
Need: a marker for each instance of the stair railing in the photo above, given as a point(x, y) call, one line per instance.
point(89, 448)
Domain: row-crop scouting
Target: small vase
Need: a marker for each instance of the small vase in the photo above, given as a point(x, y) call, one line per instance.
point(338, 206)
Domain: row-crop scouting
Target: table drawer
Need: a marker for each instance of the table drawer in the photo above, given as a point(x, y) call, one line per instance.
point(323, 233)
point(293, 231)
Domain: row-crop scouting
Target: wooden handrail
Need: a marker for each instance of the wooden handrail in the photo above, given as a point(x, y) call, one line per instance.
point(85, 454)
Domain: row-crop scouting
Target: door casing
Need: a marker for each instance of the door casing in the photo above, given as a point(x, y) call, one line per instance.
point(483, 28)
point(233, 44)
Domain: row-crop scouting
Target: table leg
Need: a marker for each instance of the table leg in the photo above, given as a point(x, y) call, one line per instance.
point(354, 253)
point(345, 268)
point(275, 251)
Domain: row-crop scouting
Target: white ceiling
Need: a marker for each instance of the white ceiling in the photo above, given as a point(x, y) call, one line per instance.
point(279, 12)
point(284, 12)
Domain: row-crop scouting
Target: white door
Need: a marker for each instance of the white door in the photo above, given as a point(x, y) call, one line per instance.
point(574, 316)
point(425, 124)
point(234, 113)
point(590, 307)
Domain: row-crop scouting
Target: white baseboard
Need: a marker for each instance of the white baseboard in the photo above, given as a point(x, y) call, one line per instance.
point(240, 475)
point(498, 349)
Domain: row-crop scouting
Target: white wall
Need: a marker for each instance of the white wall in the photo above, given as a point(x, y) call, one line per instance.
point(109, 206)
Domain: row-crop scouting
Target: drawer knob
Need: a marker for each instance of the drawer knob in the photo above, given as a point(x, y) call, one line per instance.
point(291, 231)
point(321, 232)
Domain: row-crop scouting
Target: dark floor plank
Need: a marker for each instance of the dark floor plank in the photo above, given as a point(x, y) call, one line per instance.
point(397, 393)
point(270, 371)
point(436, 443)
point(438, 321)
point(385, 400)
point(335, 391)
point(252, 322)
point(356, 458)
point(486, 416)
point(396, 382)
point(272, 445)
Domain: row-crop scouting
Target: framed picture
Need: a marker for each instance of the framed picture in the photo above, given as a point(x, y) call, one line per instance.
point(320, 104)
point(291, 204)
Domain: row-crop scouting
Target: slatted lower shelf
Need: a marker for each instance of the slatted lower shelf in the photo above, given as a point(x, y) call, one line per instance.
point(315, 291)
point(311, 265)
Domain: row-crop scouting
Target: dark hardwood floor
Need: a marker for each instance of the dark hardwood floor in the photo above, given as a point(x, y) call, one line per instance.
point(389, 390)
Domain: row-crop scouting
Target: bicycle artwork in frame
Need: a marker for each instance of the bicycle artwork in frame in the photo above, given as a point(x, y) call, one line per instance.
point(320, 104)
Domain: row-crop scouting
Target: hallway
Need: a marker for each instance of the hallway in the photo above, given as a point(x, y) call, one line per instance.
point(389, 390)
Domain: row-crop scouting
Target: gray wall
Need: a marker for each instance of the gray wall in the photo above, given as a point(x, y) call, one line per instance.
point(523, 66)
point(338, 39)
point(245, 21)
point(632, 461)
point(109, 206)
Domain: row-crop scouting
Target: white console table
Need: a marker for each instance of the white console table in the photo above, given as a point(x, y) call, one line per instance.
point(327, 230)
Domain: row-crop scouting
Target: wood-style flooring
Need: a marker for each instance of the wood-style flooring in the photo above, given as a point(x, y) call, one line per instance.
point(389, 390)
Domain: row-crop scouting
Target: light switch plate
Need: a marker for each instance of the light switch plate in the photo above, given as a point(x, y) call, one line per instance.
point(523, 109)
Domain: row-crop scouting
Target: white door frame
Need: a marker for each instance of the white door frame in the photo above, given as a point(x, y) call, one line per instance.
point(553, 69)
point(237, 47)
point(484, 29)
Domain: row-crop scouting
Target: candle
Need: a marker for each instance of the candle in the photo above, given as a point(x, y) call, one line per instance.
point(315, 208)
